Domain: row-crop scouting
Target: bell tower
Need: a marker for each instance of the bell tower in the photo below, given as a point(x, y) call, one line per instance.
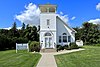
point(48, 25)
point(48, 8)
point(47, 16)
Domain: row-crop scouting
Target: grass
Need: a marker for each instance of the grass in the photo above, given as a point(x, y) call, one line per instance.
point(10, 58)
point(87, 58)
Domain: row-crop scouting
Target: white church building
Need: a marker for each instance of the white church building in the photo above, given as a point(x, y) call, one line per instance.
point(53, 30)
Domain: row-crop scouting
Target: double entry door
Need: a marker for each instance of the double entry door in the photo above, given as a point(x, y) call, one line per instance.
point(48, 42)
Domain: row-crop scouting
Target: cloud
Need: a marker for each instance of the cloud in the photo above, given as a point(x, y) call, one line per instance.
point(30, 15)
point(65, 17)
point(73, 18)
point(94, 21)
point(11, 27)
point(19, 27)
point(61, 13)
point(98, 6)
point(7, 28)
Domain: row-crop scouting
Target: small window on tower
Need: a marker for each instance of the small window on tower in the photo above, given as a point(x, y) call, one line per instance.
point(48, 22)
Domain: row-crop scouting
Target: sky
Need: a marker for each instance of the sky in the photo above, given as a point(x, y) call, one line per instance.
point(73, 12)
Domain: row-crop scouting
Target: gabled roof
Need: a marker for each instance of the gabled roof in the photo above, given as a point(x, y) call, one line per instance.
point(65, 23)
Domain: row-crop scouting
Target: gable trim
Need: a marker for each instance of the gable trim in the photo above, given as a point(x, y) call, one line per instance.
point(65, 24)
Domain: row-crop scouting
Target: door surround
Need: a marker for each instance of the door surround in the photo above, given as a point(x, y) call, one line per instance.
point(48, 39)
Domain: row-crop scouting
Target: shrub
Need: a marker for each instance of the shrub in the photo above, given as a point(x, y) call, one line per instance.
point(5, 42)
point(34, 46)
point(59, 47)
point(96, 44)
point(73, 46)
point(66, 47)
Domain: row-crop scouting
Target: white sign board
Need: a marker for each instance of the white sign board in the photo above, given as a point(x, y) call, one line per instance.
point(79, 43)
point(23, 46)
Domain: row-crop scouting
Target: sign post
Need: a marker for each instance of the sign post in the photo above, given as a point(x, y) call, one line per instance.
point(22, 46)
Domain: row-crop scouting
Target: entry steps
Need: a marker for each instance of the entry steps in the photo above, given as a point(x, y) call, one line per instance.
point(48, 50)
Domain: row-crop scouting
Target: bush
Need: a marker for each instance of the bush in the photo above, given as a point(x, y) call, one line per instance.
point(5, 42)
point(66, 47)
point(73, 46)
point(34, 46)
point(96, 44)
point(59, 47)
point(10, 42)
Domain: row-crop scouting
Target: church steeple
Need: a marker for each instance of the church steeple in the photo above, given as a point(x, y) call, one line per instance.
point(48, 8)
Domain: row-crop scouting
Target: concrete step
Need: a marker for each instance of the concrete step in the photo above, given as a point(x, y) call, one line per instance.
point(48, 50)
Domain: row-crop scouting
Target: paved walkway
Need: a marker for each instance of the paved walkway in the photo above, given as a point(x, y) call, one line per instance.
point(48, 60)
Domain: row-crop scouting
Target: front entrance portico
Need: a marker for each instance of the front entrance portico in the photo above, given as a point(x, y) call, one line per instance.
point(48, 40)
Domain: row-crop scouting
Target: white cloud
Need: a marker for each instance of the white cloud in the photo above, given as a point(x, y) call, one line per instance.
point(98, 6)
point(30, 15)
point(65, 18)
point(94, 21)
point(61, 13)
point(11, 27)
point(19, 27)
point(73, 18)
point(7, 28)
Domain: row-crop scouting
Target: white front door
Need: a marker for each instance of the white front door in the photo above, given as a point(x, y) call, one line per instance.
point(48, 42)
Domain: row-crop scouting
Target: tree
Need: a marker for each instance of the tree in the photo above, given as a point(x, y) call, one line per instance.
point(31, 33)
point(89, 33)
point(9, 38)
point(23, 26)
point(27, 26)
point(78, 35)
point(13, 31)
point(14, 27)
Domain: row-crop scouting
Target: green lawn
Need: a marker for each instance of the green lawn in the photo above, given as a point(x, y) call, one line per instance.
point(87, 58)
point(10, 58)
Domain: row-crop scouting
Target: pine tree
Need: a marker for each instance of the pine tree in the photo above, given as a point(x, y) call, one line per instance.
point(23, 27)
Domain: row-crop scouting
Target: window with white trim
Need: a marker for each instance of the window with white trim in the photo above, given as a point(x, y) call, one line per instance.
point(48, 21)
point(64, 37)
point(69, 38)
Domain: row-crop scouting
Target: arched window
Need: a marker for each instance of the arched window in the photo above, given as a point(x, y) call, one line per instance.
point(47, 34)
point(64, 37)
point(64, 34)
